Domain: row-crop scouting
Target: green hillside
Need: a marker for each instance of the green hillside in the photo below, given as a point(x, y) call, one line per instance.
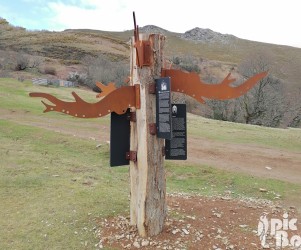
point(72, 46)
point(56, 183)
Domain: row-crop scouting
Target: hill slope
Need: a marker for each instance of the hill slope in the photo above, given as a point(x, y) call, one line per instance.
point(225, 51)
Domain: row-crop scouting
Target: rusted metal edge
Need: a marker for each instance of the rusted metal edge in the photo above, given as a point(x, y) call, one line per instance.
point(137, 96)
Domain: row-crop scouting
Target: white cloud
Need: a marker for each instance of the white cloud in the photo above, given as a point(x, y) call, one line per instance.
point(274, 21)
point(105, 15)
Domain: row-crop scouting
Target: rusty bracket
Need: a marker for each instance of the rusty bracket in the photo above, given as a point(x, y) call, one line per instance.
point(163, 151)
point(152, 88)
point(131, 117)
point(132, 156)
point(137, 96)
point(152, 128)
point(143, 48)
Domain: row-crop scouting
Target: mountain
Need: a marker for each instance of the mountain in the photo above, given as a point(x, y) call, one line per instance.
point(219, 52)
point(206, 36)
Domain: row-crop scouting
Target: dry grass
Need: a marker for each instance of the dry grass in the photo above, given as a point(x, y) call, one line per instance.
point(73, 45)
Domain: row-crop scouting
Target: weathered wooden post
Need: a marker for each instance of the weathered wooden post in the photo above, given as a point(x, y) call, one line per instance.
point(148, 183)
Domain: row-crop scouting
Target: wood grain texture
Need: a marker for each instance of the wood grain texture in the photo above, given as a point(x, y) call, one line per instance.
point(148, 181)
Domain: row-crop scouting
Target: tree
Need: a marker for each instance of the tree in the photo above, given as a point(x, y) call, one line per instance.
point(265, 104)
point(103, 70)
point(22, 62)
point(293, 115)
point(188, 63)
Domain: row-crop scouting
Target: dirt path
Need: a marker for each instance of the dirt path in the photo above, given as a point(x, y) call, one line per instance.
point(255, 160)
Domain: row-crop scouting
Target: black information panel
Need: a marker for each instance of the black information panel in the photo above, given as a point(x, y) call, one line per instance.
point(176, 148)
point(163, 115)
point(120, 139)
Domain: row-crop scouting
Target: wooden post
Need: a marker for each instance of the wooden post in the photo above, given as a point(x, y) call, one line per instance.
point(148, 183)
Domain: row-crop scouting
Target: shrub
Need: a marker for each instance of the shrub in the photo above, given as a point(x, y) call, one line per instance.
point(104, 70)
point(50, 70)
point(77, 78)
point(22, 62)
point(187, 63)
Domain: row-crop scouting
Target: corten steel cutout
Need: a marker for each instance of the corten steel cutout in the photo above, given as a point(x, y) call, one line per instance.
point(117, 101)
point(105, 89)
point(191, 84)
point(143, 48)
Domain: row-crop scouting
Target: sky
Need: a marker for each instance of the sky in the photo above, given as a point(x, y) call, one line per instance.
point(270, 21)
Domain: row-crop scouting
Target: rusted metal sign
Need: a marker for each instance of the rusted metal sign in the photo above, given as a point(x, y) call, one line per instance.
point(191, 84)
point(118, 101)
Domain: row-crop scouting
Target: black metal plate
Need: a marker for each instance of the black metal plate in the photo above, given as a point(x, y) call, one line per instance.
point(176, 148)
point(119, 139)
point(163, 115)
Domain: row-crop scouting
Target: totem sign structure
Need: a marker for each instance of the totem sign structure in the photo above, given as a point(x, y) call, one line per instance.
point(145, 125)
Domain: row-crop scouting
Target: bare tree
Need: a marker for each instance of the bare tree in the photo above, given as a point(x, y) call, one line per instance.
point(22, 62)
point(293, 115)
point(103, 70)
point(35, 62)
point(11, 60)
point(265, 104)
point(188, 63)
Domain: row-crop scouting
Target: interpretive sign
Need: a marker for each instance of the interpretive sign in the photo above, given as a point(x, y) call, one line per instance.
point(119, 139)
point(176, 148)
point(163, 105)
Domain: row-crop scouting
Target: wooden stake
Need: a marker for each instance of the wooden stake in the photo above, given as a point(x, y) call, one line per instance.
point(148, 183)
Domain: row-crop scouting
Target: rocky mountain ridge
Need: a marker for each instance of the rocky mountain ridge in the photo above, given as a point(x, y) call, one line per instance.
point(196, 34)
point(206, 36)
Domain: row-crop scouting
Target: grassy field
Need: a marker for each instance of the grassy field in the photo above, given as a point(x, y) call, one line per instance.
point(288, 139)
point(54, 188)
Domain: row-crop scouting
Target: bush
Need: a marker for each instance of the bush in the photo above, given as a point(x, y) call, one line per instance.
point(77, 78)
point(103, 70)
point(22, 62)
point(187, 63)
point(50, 70)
